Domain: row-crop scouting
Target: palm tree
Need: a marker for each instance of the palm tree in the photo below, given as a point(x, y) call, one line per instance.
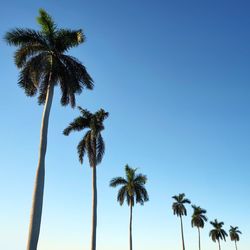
point(218, 232)
point(43, 63)
point(180, 210)
point(198, 220)
point(133, 190)
point(92, 143)
point(234, 235)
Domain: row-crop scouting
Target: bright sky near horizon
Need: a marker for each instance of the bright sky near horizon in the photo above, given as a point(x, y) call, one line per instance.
point(174, 76)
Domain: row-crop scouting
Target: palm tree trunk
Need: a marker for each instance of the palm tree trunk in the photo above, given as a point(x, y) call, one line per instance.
point(37, 203)
point(182, 235)
point(199, 238)
point(130, 227)
point(235, 245)
point(94, 209)
point(219, 244)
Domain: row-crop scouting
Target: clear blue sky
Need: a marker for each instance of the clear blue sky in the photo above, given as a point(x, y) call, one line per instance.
point(174, 76)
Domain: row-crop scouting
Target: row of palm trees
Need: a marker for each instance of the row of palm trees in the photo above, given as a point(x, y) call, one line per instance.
point(43, 61)
point(198, 220)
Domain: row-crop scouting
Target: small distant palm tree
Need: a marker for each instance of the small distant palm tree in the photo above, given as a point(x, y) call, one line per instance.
point(93, 145)
point(44, 63)
point(132, 190)
point(234, 235)
point(218, 233)
point(180, 210)
point(198, 220)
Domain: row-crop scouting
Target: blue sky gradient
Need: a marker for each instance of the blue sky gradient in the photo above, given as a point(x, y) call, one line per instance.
point(174, 76)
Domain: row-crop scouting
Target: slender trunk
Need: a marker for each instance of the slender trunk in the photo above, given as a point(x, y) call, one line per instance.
point(199, 238)
point(219, 244)
point(94, 209)
point(235, 245)
point(37, 203)
point(130, 227)
point(182, 235)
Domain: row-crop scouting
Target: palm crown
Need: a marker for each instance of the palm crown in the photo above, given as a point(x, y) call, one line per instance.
point(43, 63)
point(234, 233)
point(179, 204)
point(218, 232)
point(132, 187)
point(92, 142)
point(198, 217)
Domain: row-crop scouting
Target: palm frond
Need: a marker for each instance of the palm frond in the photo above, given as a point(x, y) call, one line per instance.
point(100, 148)
point(24, 37)
point(175, 197)
point(66, 39)
point(85, 113)
point(138, 196)
point(78, 124)
point(101, 115)
point(81, 149)
point(32, 74)
point(65, 96)
point(118, 181)
point(25, 52)
point(122, 193)
point(80, 72)
point(26, 82)
point(224, 234)
point(213, 235)
point(145, 194)
point(46, 22)
point(130, 173)
point(72, 99)
point(90, 150)
point(48, 80)
point(141, 194)
point(186, 201)
point(68, 83)
point(184, 211)
point(140, 179)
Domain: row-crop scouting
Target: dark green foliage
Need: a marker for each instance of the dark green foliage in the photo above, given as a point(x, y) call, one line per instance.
point(198, 217)
point(218, 232)
point(42, 61)
point(234, 233)
point(132, 187)
point(92, 143)
point(46, 22)
point(179, 204)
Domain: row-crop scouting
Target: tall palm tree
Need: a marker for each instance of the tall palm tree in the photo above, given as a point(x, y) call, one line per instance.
point(180, 210)
point(198, 220)
point(132, 190)
point(234, 235)
point(218, 232)
point(42, 59)
point(92, 143)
